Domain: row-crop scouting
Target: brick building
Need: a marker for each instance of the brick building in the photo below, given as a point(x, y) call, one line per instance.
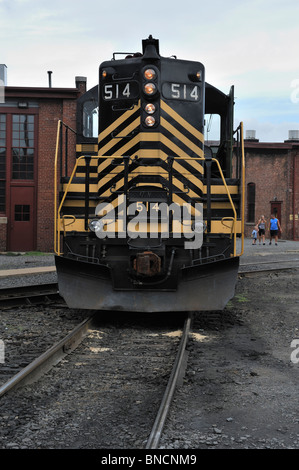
point(28, 130)
point(272, 184)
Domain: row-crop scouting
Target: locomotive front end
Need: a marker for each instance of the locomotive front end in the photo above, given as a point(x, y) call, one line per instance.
point(147, 240)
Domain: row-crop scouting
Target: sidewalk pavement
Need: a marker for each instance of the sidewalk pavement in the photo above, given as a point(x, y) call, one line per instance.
point(285, 249)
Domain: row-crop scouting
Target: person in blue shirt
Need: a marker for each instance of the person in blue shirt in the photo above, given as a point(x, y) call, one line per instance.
point(274, 226)
point(254, 234)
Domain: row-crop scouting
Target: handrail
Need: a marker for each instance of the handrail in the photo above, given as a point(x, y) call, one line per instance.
point(60, 124)
point(79, 159)
point(55, 185)
point(57, 213)
point(243, 188)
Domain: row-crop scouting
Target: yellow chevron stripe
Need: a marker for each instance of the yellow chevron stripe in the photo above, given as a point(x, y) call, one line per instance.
point(216, 227)
point(92, 168)
point(93, 174)
point(152, 153)
point(105, 208)
point(179, 184)
point(219, 205)
point(182, 121)
point(81, 148)
point(181, 153)
point(93, 163)
point(220, 189)
point(79, 188)
point(104, 164)
point(155, 170)
point(80, 203)
point(115, 140)
point(118, 122)
point(181, 137)
point(104, 181)
point(178, 200)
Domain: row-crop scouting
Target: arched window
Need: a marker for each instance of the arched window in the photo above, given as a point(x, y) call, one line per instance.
point(251, 202)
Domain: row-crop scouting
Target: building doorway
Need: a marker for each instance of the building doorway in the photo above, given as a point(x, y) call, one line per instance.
point(21, 220)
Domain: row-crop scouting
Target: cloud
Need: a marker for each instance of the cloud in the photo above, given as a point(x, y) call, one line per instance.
point(250, 44)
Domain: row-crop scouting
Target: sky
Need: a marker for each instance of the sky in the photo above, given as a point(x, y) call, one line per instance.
point(251, 44)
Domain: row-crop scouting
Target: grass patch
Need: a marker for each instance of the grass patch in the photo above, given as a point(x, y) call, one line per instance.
point(241, 298)
point(36, 253)
point(27, 253)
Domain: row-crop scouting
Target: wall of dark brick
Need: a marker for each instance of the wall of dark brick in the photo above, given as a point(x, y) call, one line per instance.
point(53, 105)
point(50, 112)
point(271, 168)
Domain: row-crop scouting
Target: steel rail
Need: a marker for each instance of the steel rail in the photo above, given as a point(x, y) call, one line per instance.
point(31, 294)
point(269, 270)
point(283, 267)
point(156, 432)
point(270, 262)
point(52, 356)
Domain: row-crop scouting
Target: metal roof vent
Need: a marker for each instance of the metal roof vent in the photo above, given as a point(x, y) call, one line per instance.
point(250, 135)
point(293, 135)
point(3, 75)
point(3, 82)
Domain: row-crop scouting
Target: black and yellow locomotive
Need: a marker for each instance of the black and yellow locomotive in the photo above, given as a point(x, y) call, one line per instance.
point(150, 217)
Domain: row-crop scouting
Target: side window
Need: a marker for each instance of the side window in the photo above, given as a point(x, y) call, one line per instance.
point(212, 128)
point(90, 119)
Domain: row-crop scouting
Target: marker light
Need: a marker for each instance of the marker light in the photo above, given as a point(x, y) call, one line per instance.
point(199, 226)
point(96, 225)
point(149, 74)
point(150, 121)
point(150, 108)
point(104, 74)
point(150, 88)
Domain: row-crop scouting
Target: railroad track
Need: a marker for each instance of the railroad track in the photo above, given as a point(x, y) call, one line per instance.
point(268, 267)
point(145, 339)
point(158, 426)
point(47, 293)
point(45, 361)
point(29, 295)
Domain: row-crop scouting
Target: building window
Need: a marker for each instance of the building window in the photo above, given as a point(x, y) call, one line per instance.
point(251, 202)
point(22, 212)
point(22, 146)
point(2, 161)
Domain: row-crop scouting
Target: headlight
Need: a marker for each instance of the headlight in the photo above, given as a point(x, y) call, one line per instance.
point(199, 226)
point(96, 225)
point(150, 108)
point(150, 121)
point(150, 88)
point(149, 74)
